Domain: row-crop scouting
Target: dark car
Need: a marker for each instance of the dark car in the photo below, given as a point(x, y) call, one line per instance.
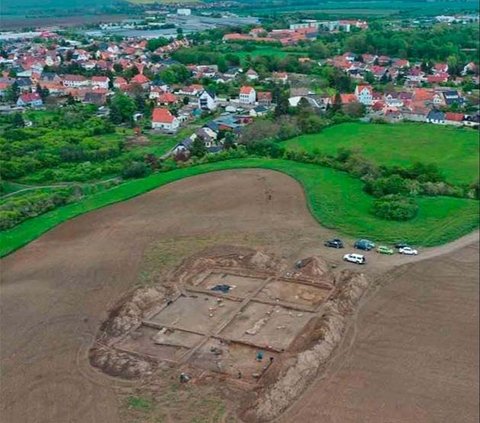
point(399, 245)
point(364, 244)
point(334, 243)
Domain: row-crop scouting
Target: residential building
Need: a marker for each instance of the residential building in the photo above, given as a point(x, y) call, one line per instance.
point(30, 100)
point(75, 81)
point(364, 94)
point(264, 98)
point(251, 75)
point(163, 119)
point(207, 100)
point(436, 116)
point(100, 82)
point(247, 95)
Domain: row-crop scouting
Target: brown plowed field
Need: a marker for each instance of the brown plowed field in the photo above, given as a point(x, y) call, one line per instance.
point(411, 354)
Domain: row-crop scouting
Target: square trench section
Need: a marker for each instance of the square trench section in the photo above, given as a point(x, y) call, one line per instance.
point(272, 327)
point(196, 312)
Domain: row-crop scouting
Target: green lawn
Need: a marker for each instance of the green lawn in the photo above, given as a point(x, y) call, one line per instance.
point(455, 151)
point(334, 198)
point(271, 51)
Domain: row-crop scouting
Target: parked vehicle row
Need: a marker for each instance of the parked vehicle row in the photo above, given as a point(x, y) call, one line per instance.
point(367, 245)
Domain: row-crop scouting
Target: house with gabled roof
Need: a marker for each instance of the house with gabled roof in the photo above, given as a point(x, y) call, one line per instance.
point(163, 119)
point(100, 82)
point(167, 98)
point(364, 94)
point(30, 100)
point(436, 116)
point(207, 100)
point(247, 95)
point(251, 75)
point(141, 80)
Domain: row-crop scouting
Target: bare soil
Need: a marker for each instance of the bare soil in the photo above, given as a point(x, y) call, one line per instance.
point(411, 354)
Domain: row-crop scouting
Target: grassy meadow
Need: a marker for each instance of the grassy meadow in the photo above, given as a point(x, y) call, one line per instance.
point(335, 199)
point(454, 150)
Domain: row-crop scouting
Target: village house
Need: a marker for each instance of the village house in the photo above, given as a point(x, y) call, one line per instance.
point(141, 80)
point(191, 90)
point(164, 120)
point(232, 72)
point(247, 95)
point(251, 75)
point(264, 98)
point(436, 116)
point(281, 77)
point(167, 98)
point(120, 83)
point(30, 100)
point(452, 97)
point(258, 111)
point(364, 94)
point(207, 100)
point(75, 81)
point(100, 82)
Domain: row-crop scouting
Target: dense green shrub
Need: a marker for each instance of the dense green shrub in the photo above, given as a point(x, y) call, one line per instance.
point(395, 207)
point(380, 187)
point(136, 170)
point(15, 209)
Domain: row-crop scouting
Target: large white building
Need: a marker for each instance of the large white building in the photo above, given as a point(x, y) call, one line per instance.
point(247, 95)
point(207, 101)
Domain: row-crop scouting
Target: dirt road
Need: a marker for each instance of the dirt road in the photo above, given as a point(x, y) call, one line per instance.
point(56, 291)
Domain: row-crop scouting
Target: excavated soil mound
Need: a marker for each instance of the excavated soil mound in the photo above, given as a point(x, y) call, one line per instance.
point(312, 267)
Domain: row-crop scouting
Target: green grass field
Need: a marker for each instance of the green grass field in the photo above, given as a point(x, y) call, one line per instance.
point(269, 51)
point(334, 198)
point(455, 151)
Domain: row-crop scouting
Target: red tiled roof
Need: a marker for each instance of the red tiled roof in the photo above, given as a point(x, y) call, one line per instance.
point(162, 115)
point(422, 94)
point(455, 117)
point(140, 79)
point(246, 90)
point(74, 78)
point(348, 98)
point(29, 97)
point(167, 98)
point(264, 95)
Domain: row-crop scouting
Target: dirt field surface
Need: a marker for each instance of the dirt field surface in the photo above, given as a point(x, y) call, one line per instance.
point(411, 354)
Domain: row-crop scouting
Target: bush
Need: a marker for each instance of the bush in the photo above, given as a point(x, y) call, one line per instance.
point(381, 187)
point(395, 207)
point(136, 170)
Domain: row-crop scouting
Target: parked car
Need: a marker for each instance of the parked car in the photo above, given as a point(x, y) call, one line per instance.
point(408, 251)
point(334, 243)
point(355, 258)
point(364, 244)
point(399, 245)
point(383, 249)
